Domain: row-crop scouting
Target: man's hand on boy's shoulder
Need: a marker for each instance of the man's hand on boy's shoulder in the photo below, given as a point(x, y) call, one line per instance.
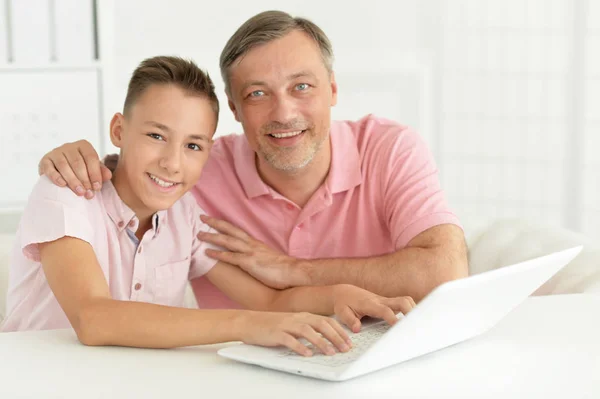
point(78, 166)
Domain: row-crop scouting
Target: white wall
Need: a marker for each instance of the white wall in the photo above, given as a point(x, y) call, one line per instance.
point(383, 33)
point(505, 92)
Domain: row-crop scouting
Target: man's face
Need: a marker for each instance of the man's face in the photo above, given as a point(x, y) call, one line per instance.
point(165, 141)
point(282, 94)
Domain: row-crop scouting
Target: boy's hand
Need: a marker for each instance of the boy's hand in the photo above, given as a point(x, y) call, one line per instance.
point(352, 303)
point(285, 329)
point(76, 165)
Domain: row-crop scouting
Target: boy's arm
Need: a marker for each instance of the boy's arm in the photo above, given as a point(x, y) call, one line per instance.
point(78, 283)
point(347, 302)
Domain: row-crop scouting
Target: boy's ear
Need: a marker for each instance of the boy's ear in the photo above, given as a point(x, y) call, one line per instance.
point(116, 129)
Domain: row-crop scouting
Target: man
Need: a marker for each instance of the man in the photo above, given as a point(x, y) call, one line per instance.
point(300, 200)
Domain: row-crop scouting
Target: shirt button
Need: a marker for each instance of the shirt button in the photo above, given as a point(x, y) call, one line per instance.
point(301, 225)
point(290, 206)
point(120, 224)
point(131, 224)
point(140, 250)
point(137, 286)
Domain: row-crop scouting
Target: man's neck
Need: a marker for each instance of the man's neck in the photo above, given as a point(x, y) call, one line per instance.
point(298, 186)
point(123, 189)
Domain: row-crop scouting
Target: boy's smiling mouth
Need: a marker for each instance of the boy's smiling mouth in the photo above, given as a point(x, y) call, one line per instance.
point(162, 182)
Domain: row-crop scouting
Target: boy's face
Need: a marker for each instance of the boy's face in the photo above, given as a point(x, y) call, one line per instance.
point(165, 141)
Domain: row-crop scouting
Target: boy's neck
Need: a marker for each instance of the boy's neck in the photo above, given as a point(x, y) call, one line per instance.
point(123, 189)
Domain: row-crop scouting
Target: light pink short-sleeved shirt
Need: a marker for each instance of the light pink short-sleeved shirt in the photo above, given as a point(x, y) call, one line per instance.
point(382, 190)
point(156, 270)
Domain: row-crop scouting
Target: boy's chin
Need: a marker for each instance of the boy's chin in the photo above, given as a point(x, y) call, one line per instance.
point(156, 206)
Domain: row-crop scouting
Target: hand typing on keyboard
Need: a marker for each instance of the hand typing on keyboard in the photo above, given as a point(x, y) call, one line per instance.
point(351, 304)
point(361, 341)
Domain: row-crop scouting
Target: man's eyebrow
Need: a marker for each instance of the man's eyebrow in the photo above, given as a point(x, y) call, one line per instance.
point(301, 74)
point(253, 83)
point(166, 129)
point(293, 76)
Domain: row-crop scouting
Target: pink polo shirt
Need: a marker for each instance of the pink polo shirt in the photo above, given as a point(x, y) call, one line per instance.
point(156, 270)
point(382, 190)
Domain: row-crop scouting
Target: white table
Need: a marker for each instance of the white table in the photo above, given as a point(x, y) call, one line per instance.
point(548, 347)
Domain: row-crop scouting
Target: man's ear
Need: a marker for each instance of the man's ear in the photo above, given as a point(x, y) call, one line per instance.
point(232, 107)
point(116, 129)
point(334, 89)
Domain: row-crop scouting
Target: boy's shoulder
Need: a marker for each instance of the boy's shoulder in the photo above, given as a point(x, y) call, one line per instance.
point(45, 190)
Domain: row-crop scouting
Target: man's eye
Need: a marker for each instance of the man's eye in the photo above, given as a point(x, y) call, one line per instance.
point(155, 136)
point(194, 147)
point(257, 93)
point(302, 86)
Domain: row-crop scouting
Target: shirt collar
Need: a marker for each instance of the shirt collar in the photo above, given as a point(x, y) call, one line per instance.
point(245, 167)
point(344, 173)
point(345, 170)
point(121, 215)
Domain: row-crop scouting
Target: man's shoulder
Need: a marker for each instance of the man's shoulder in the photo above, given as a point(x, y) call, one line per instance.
point(375, 134)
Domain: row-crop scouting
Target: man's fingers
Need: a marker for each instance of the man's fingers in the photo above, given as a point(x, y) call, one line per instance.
point(64, 168)
point(106, 173)
point(225, 241)
point(94, 169)
point(224, 227)
point(233, 258)
point(349, 319)
point(80, 169)
point(47, 168)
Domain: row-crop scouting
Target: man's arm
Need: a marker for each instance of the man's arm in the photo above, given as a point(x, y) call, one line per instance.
point(434, 256)
point(431, 258)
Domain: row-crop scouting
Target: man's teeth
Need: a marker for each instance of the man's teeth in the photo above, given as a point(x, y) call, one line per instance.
point(284, 135)
point(160, 182)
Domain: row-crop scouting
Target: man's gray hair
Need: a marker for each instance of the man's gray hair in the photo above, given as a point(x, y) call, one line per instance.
point(265, 27)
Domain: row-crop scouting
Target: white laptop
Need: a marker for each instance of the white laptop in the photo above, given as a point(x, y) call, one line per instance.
point(453, 312)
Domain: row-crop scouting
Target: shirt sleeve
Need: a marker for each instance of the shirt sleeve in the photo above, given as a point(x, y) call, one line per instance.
point(51, 213)
point(200, 263)
point(414, 200)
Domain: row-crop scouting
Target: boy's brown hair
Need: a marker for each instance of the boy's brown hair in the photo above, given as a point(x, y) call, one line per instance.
point(183, 73)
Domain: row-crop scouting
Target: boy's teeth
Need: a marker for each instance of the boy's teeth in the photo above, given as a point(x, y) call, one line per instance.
point(283, 135)
point(160, 182)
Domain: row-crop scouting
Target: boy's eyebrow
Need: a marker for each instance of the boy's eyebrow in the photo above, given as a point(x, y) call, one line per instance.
point(166, 129)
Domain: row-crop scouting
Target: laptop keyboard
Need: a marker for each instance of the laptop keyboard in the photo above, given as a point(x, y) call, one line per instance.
point(360, 343)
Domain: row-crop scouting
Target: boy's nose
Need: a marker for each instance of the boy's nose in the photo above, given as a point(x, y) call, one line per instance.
point(171, 161)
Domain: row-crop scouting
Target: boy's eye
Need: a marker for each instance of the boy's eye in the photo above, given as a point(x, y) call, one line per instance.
point(155, 136)
point(194, 147)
